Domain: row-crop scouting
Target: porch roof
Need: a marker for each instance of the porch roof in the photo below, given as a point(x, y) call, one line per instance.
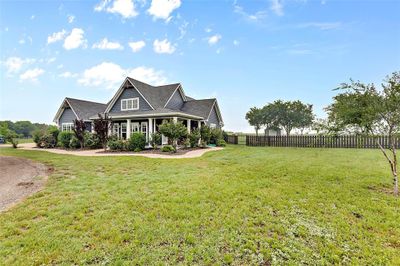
point(160, 112)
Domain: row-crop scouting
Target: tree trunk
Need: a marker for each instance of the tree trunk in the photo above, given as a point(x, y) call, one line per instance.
point(392, 163)
point(256, 132)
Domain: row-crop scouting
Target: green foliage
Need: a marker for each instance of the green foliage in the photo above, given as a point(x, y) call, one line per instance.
point(194, 137)
point(245, 205)
point(168, 148)
point(23, 128)
point(205, 133)
point(155, 140)
point(64, 139)
point(11, 137)
point(92, 141)
point(74, 143)
point(116, 144)
point(215, 135)
point(173, 131)
point(53, 130)
point(186, 143)
point(137, 150)
point(255, 118)
point(221, 143)
point(136, 141)
point(46, 140)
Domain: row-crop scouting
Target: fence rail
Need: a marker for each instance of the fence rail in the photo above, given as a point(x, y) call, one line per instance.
point(319, 141)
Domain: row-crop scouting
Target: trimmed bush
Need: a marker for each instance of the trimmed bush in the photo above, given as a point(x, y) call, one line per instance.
point(47, 141)
point(194, 137)
point(215, 135)
point(136, 141)
point(37, 135)
point(205, 133)
point(137, 150)
point(155, 140)
point(54, 131)
point(221, 143)
point(74, 143)
point(167, 148)
point(64, 139)
point(116, 144)
point(92, 141)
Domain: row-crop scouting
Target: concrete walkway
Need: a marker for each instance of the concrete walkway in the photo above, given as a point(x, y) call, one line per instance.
point(100, 152)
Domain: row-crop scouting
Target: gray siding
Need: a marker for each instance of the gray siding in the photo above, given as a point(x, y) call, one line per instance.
point(67, 116)
point(176, 101)
point(130, 93)
point(213, 119)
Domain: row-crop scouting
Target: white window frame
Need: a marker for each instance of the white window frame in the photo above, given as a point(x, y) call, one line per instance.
point(212, 125)
point(135, 127)
point(144, 126)
point(67, 126)
point(115, 130)
point(130, 104)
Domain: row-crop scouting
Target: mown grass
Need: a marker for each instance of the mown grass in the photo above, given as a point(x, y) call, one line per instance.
point(242, 205)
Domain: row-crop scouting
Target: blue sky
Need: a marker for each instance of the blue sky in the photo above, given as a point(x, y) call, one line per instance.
point(245, 53)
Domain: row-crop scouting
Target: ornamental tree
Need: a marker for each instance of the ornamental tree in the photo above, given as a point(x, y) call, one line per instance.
point(79, 131)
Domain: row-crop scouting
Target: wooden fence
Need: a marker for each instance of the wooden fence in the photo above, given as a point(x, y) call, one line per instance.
point(232, 139)
point(314, 141)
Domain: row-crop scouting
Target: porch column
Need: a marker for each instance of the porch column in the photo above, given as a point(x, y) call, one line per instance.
point(128, 128)
point(189, 125)
point(175, 119)
point(199, 127)
point(150, 129)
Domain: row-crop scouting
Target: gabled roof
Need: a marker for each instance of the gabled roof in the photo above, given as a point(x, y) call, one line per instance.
point(198, 107)
point(82, 109)
point(156, 95)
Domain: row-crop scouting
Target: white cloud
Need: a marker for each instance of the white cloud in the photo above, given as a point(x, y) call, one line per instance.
point(126, 8)
point(22, 41)
point(68, 74)
point(31, 74)
point(71, 18)
point(257, 16)
point(56, 36)
point(33, 17)
point(137, 46)
point(51, 60)
point(15, 64)
point(277, 7)
point(214, 39)
point(208, 30)
point(162, 9)
point(321, 25)
point(163, 47)
point(107, 45)
point(60, 66)
point(75, 39)
point(236, 42)
point(110, 75)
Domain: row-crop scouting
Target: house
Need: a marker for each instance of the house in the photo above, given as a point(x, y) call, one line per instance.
point(140, 107)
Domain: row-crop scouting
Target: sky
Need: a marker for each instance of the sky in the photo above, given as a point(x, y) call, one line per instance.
point(244, 53)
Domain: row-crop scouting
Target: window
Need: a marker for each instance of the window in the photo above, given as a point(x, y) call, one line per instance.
point(67, 126)
point(134, 127)
point(130, 104)
point(213, 125)
point(115, 129)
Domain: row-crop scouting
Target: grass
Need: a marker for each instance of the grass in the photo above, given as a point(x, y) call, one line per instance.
point(242, 205)
point(30, 140)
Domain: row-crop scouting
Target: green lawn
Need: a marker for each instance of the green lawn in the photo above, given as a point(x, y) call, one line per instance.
point(242, 205)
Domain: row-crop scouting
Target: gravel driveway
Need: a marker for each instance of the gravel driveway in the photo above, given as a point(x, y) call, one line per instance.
point(19, 178)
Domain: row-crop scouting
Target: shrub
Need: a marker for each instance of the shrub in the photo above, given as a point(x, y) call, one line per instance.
point(137, 150)
point(92, 141)
point(11, 137)
point(74, 143)
point(47, 140)
point(54, 131)
point(173, 131)
point(205, 133)
point(37, 135)
point(136, 141)
point(215, 135)
point(64, 138)
point(186, 143)
point(168, 148)
point(155, 140)
point(194, 137)
point(221, 143)
point(116, 144)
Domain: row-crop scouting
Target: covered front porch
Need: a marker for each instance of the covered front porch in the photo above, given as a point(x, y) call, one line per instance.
point(123, 128)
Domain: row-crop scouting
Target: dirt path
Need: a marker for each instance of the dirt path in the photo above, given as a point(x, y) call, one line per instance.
point(19, 178)
point(190, 154)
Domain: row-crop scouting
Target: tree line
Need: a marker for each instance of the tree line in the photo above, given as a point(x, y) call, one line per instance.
point(23, 129)
point(358, 108)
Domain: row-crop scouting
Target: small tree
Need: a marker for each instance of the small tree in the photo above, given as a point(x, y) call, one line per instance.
point(11, 137)
point(79, 131)
point(205, 133)
point(255, 118)
point(101, 127)
point(155, 139)
point(173, 131)
point(371, 112)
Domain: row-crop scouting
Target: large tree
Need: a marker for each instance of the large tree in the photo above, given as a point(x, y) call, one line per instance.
point(293, 114)
point(255, 118)
point(269, 118)
point(370, 111)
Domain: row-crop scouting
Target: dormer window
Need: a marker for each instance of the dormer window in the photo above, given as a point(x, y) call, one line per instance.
point(130, 104)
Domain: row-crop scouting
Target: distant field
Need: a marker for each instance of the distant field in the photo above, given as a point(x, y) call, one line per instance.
point(25, 140)
point(243, 205)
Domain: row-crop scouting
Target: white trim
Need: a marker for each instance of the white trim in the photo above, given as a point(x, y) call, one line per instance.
point(126, 104)
point(70, 125)
point(157, 115)
point(61, 110)
point(119, 92)
point(180, 91)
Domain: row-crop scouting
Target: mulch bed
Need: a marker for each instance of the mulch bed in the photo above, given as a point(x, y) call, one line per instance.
point(157, 151)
